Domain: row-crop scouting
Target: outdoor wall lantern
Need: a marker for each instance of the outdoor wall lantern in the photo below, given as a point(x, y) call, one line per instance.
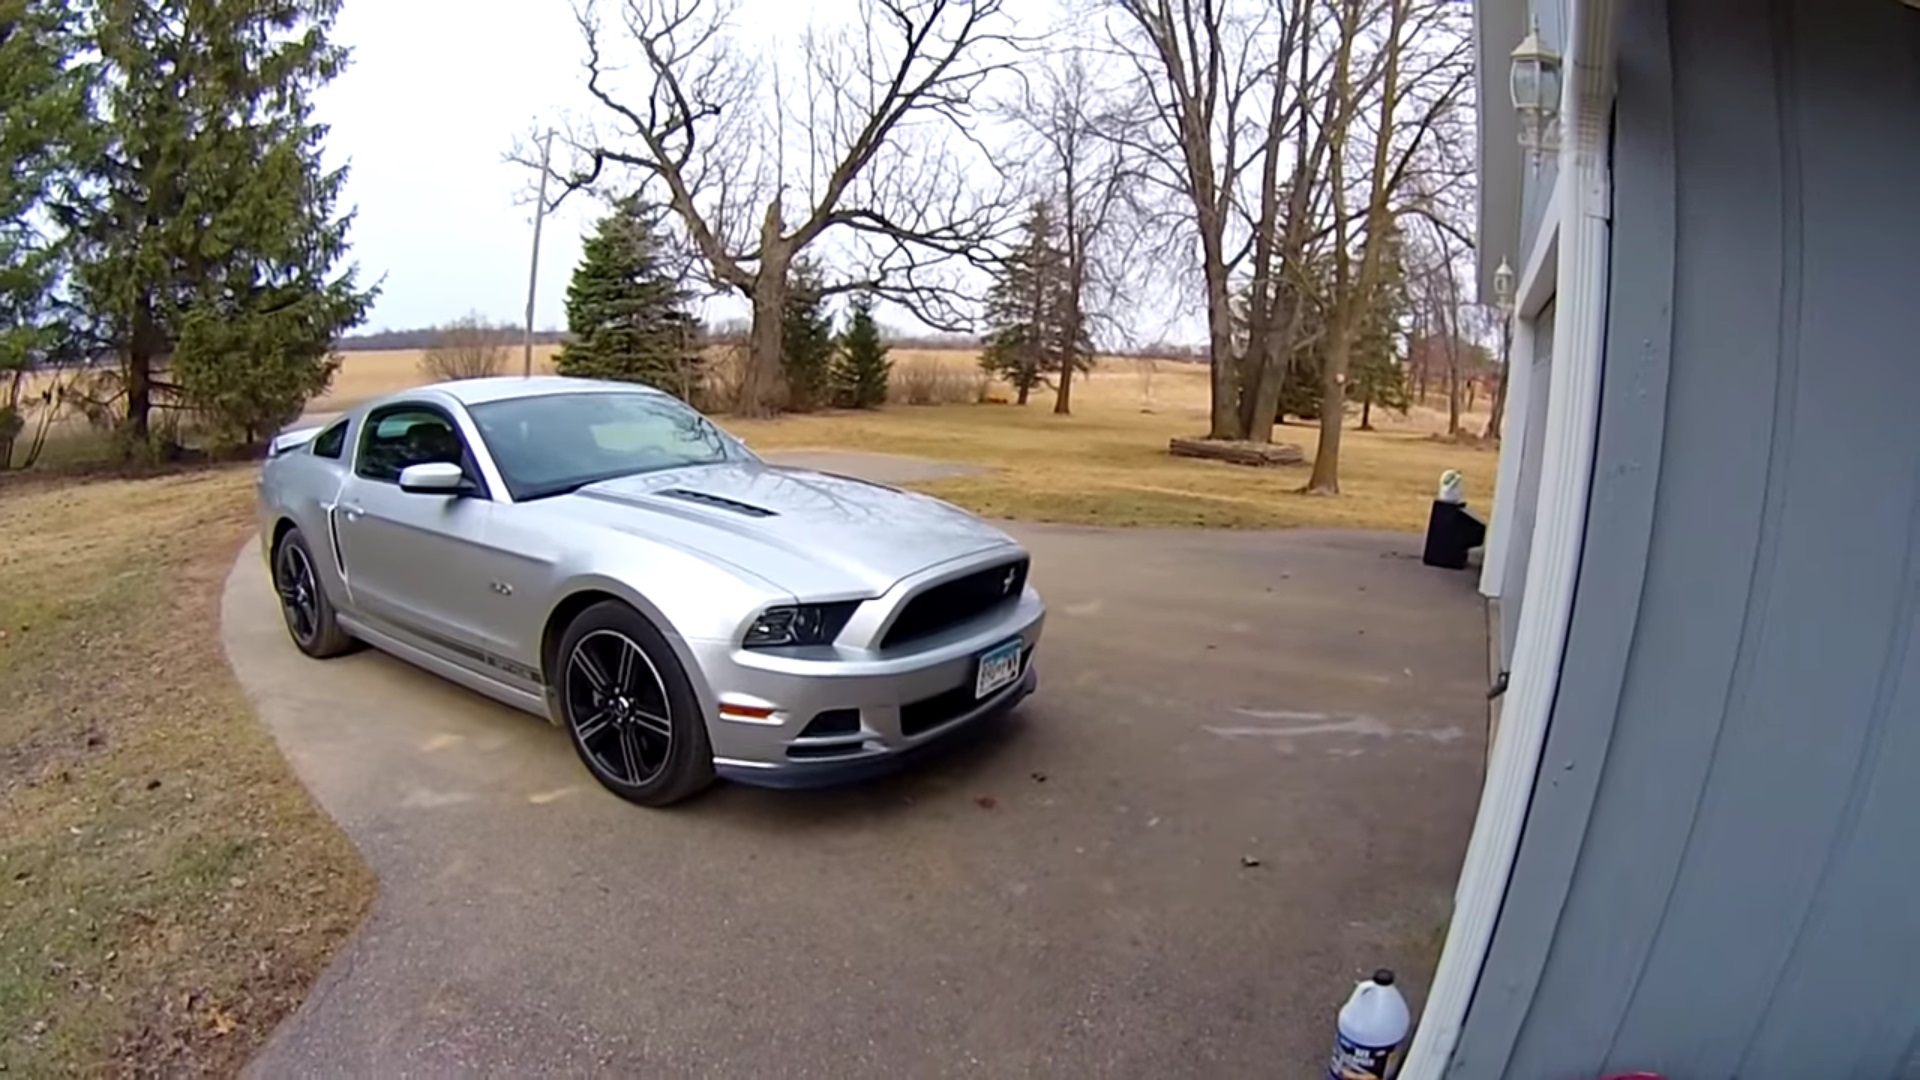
point(1535, 82)
point(1503, 289)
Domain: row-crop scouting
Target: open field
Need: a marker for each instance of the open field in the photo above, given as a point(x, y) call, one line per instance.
point(167, 889)
point(1106, 464)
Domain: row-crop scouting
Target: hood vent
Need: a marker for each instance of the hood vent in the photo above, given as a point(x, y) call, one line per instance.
point(718, 502)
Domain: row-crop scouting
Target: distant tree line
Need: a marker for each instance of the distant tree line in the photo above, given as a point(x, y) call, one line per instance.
point(425, 337)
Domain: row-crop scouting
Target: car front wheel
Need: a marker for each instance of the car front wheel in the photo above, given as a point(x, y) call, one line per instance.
point(629, 708)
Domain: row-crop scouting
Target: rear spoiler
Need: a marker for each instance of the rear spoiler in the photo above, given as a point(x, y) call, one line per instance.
point(288, 441)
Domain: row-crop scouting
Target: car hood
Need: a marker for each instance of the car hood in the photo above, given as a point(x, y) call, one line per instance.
point(813, 534)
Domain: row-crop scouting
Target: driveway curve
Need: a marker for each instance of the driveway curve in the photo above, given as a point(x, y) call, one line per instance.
point(1067, 895)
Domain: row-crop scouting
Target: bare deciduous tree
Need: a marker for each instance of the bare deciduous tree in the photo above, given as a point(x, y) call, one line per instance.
point(1202, 68)
point(758, 163)
point(1421, 85)
point(470, 347)
point(1074, 140)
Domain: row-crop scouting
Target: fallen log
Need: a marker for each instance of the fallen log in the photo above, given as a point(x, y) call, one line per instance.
point(1259, 455)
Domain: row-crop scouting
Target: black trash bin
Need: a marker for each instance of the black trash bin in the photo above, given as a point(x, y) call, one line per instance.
point(1451, 533)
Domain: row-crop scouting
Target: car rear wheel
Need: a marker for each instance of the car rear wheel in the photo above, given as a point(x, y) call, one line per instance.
point(303, 603)
point(629, 708)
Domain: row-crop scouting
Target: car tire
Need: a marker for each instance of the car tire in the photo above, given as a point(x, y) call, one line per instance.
point(629, 708)
point(304, 604)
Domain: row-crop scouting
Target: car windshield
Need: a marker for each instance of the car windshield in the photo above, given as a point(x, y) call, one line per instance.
point(549, 444)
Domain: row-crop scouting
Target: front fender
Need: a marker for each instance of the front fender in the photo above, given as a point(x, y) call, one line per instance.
point(686, 597)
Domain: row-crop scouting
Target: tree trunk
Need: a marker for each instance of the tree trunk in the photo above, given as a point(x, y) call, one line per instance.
point(1499, 413)
point(1226, 404)
point(765, 350)
point(1070, 348)
point(763, 344)
point(1333, 408)
point(1020, 397)
point(139, 395)
point(12, 420)
point(1273, 373)
point(1366, 410)
point(139, 375)
point(1453, 397)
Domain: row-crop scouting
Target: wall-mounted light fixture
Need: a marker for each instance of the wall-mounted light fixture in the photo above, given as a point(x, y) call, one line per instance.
point(1535, 83)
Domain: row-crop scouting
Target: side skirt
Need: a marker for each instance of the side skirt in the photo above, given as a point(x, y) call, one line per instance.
point(478, 682)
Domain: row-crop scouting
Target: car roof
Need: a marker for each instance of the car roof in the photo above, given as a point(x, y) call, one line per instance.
point(504, 387)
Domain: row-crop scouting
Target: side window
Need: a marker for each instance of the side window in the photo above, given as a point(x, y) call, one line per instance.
point(406, 435)
point(331, 442)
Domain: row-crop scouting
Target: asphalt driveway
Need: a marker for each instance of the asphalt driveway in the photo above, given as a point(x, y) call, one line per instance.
point(1066, 895)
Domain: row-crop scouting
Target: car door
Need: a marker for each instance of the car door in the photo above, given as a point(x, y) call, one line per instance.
point(416, 563)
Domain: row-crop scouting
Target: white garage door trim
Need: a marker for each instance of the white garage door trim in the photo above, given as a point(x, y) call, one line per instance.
point(1567, 466)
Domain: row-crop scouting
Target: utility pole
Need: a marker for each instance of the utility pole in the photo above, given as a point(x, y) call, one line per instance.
point(533, 267)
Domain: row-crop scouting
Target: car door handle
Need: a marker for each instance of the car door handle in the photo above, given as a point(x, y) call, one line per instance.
point(352, 510)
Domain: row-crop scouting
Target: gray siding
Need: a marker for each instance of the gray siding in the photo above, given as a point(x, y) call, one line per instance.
point(1720, 875)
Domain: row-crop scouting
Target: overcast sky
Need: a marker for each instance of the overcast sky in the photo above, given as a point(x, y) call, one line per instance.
point(435, 94)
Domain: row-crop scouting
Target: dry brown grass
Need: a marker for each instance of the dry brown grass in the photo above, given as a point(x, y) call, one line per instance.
point(167, 889)
point(1107, 464)
point(364, 375)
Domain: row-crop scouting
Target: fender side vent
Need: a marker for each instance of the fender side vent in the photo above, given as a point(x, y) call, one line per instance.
point(718, 502)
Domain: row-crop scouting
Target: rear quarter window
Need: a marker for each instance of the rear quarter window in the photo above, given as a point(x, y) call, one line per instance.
point(332, 442)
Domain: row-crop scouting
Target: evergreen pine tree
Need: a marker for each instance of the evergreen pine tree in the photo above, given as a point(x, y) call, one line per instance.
point(626, 314)
point(806, 340)
point(205, 229)
point(42, 121)
point(860, 369)
point(1376, 375)
point(1028, 308)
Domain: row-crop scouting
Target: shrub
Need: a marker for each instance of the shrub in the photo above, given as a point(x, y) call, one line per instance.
point(718, 389)
point(467, 348)
point(929, 382)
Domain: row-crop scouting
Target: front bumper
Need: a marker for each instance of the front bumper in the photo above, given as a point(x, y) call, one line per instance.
point(845, 715)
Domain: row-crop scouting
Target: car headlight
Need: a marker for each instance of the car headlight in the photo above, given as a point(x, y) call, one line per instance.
point(802, 624)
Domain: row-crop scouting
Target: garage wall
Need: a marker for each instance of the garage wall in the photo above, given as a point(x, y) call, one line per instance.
point(1719, 869)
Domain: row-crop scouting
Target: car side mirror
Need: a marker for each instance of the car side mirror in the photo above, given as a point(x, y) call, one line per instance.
point(435, 478)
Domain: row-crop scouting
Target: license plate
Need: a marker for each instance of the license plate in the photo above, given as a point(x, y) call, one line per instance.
point(998, 667)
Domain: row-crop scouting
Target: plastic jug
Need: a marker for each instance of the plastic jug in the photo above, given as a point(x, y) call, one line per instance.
point(1372, 1024)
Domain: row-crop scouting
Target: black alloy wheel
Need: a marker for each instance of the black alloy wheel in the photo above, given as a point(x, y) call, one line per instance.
point(617, 704)
point(303, 600)
point(629, 708)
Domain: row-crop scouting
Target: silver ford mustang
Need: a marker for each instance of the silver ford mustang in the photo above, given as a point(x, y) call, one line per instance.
point(603, 555)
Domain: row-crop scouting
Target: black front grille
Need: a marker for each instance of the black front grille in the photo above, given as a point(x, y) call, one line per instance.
point(961, 600)
point(929, 713)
